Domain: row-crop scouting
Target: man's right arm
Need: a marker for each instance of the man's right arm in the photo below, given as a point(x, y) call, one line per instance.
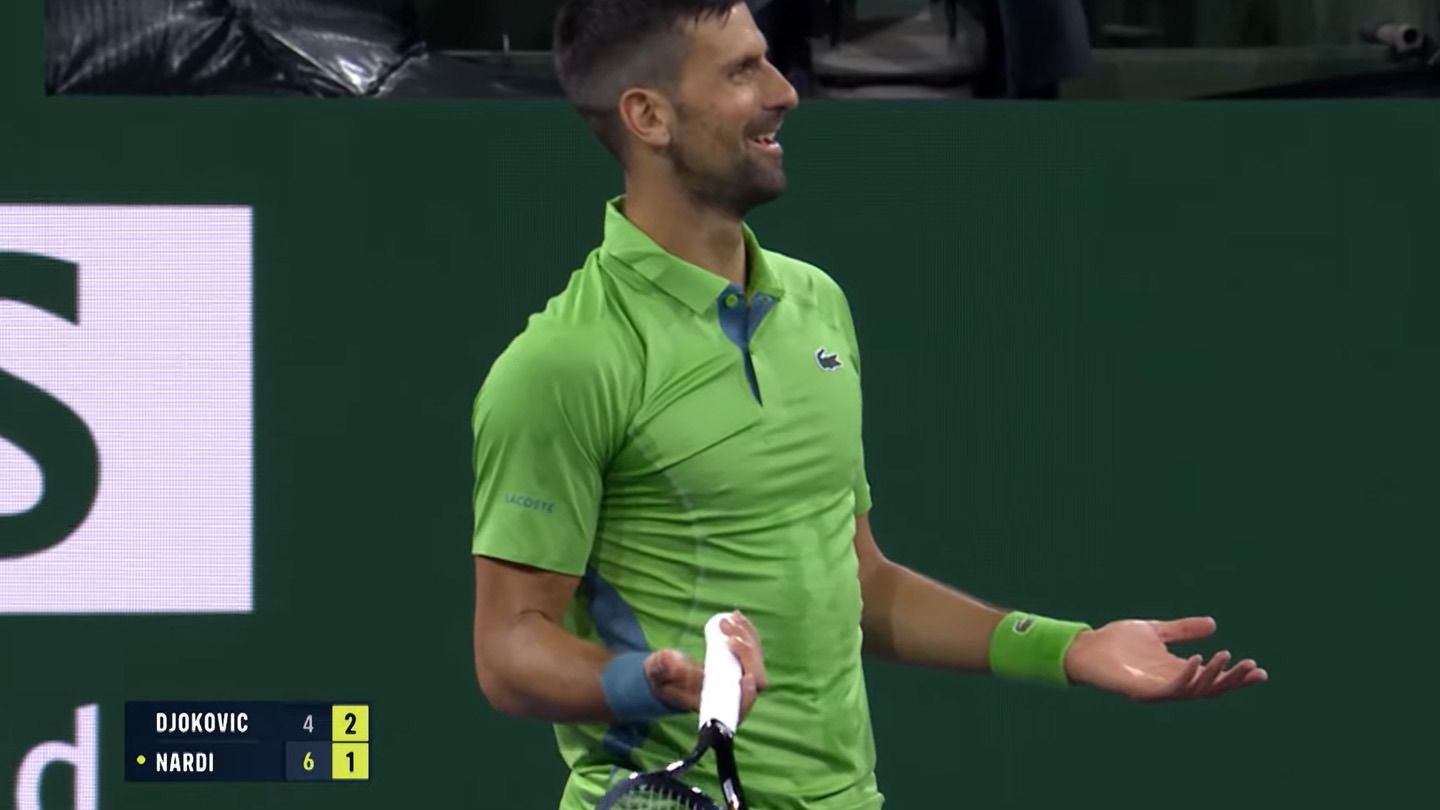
point(545, 423)
point(529, 665)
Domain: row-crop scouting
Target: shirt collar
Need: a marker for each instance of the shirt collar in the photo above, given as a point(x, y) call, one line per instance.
point(696, 287)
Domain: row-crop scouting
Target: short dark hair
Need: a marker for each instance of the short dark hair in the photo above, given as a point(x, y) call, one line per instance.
point(605, 47)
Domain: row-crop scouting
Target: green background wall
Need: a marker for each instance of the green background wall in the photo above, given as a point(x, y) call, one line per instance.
point(1120, 361)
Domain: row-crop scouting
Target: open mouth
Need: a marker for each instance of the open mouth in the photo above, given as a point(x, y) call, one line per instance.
point(767, 143)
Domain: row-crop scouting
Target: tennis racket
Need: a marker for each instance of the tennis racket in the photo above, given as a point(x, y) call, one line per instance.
point(719, 717)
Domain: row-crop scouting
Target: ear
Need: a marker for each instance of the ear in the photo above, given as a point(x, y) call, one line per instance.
point(648, 116)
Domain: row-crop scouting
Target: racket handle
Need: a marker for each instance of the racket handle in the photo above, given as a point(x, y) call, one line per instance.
point(720, 692)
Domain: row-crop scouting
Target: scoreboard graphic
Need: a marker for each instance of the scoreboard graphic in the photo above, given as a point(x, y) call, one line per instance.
point(247, 741)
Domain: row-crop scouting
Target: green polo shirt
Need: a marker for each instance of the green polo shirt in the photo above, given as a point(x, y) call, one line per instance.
point(686, 447)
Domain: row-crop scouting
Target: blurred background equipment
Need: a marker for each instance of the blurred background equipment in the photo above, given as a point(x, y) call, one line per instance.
point(265, 47)
point(1179, 49)
point(1070, 49)
point(952, 48)
point(1403, 38)
point(291, 47)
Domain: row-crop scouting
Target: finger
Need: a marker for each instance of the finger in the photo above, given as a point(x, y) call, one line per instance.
point(748, 693)
point(1232, 677)
point(1188, 629)
point(1206, 679)
point(762, 677)
point(737, 625)
point(751, 661)
point(1250, 677)
point(675, 679)
point(1180, 683)
point(730, 627)
point(744, 622)
point(753, 636)
point(657, 667)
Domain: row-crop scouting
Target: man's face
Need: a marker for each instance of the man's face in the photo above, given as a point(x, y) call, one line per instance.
point(729, 106)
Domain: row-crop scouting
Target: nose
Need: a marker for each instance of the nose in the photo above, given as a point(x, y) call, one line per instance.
point(782, 94)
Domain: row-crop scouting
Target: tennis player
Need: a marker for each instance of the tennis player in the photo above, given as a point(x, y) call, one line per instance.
point(679, 433)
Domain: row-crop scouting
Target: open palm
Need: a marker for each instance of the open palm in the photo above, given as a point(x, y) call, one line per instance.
point(1130, 657)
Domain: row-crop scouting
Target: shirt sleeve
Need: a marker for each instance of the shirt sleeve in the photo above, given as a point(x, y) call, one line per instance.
point(544, 429)
point(862, 487)
point(863, 500)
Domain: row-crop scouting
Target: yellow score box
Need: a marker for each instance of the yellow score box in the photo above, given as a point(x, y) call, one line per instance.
point(349, 723)
point(350, 761)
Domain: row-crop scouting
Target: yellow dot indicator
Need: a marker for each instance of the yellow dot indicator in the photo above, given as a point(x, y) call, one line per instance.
point(140, 759)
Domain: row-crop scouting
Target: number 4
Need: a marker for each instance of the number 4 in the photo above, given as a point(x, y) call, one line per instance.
point(309, 724)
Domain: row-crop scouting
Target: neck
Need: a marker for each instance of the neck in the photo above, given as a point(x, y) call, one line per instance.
point(704, 236)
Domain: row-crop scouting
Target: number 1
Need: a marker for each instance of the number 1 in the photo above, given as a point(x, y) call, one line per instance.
point(350, 755)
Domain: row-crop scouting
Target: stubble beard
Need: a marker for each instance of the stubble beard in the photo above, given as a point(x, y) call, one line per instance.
point(745, 184)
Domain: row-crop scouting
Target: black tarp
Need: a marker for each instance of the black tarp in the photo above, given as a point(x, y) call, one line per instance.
point(263, 47)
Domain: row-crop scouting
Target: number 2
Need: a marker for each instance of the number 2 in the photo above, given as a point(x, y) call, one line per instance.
point(350, 729)
point(309, 724)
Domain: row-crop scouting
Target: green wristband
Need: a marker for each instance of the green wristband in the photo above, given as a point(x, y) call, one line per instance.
point(1027, 647)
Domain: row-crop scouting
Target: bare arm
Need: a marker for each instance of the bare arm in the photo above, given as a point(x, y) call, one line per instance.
point(525, 660)
point(912, 619)
point(529, 665)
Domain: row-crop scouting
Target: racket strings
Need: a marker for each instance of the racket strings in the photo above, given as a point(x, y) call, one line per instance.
point(662, 796)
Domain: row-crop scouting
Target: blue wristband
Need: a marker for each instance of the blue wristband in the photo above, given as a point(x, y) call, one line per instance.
point(627, 690)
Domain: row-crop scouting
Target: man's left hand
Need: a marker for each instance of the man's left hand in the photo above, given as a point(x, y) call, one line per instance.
point(1129, 657)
